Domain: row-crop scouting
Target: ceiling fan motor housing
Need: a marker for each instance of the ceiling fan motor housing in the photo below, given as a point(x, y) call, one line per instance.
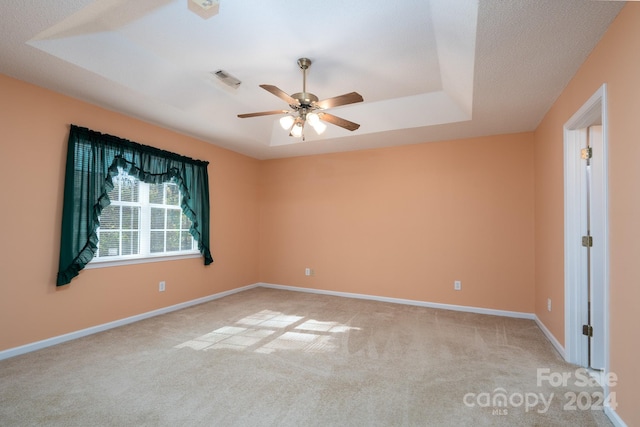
point(305, 99)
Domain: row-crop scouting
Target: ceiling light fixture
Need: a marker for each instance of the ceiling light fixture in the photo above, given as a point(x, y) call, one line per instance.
point(286, 122)
point(304, 111)
point(297, 128)
point(295, 123)
point(305, 108)
point(316, 124)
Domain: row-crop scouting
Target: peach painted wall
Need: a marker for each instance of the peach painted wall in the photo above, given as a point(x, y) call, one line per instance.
point(405, 222)
point(34, 128)
point(616, 62)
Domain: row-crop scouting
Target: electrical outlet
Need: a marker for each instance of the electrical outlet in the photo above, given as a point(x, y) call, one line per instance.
point(457, 285)
point(161, 286)
point(309, 272)
point(548, 304)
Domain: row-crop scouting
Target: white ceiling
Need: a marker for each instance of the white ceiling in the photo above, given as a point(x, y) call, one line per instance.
point(428, 69)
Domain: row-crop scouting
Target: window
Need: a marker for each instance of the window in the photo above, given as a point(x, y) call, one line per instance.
point(125, 201)
point(143, 221)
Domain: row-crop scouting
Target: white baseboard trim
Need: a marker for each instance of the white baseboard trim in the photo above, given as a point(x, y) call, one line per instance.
point(465, 308)
point(38, 345)
point(552, 339)
point(16, 351)
point(610, 413)
point(27, 348)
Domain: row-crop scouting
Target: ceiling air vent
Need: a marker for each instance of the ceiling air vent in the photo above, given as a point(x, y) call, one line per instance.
point(227, 79)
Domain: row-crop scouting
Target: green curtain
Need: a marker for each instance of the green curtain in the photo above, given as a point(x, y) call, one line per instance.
point(93, 159)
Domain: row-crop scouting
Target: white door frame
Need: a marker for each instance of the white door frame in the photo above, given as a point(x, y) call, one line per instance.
point(594, 111)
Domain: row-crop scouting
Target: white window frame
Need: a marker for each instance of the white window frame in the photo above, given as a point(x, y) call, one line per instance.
point(144, 231)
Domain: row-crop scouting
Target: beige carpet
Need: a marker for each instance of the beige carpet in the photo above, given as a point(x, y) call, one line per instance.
point(268, 357)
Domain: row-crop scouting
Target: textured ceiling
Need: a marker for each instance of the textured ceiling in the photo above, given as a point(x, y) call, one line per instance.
point(428, 69)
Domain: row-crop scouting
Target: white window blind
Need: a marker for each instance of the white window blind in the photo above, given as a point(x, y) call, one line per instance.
point(143, 221)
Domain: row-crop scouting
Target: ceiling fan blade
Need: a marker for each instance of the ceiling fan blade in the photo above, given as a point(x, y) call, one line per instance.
point(336, 101)
point(335, 120)
point(262, 113)
point(280, 94)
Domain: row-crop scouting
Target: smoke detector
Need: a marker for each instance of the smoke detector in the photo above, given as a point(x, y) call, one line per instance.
point(204, 8)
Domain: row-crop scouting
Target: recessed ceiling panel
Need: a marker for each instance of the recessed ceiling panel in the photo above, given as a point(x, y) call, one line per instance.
point(356, 50)
point(427, 69)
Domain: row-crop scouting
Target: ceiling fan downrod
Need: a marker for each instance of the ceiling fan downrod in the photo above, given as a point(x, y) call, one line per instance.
point(304, 98)
point(304, 64)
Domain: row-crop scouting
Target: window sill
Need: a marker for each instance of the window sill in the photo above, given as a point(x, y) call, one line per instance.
point(102, 263)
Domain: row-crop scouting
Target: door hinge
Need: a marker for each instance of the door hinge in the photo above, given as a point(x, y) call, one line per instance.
point(587, 241)
point(586, 153)
point(587, 330)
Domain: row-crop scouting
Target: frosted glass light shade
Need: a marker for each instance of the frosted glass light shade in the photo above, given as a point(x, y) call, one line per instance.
point(296, 130)
point(319, 127)
point(313, 118)
point(286, 122)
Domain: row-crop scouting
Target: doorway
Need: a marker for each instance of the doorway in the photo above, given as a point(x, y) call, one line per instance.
point(586, 235)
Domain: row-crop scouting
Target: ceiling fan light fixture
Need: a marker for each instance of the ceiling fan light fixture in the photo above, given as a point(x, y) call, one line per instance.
point(313, 118)
point(319, 127)
point(305, 107)
point(286, 122)
point(296, 129)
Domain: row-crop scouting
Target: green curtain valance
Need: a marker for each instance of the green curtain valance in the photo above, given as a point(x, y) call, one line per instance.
point(93, 159)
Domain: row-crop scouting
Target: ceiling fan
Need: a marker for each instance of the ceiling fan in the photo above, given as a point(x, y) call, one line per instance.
point(306, 108)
